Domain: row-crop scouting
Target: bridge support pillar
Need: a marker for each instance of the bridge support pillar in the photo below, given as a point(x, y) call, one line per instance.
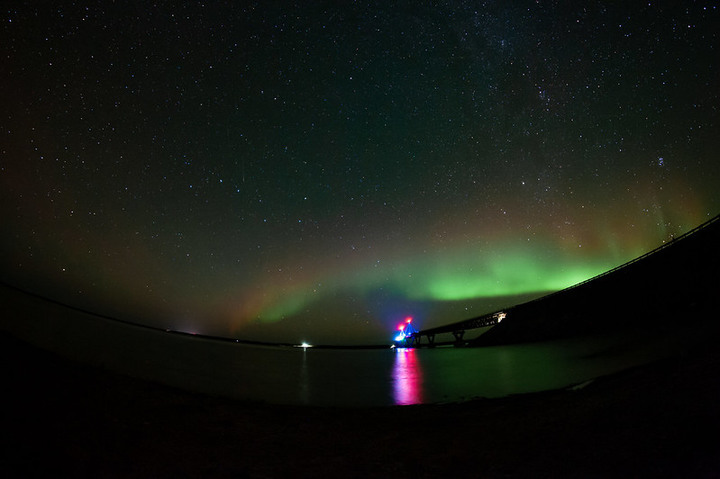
point(431, 340)
point(412, 341)
point(458, 337)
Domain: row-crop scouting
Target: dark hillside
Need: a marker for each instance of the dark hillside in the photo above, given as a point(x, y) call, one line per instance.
point(675, 285)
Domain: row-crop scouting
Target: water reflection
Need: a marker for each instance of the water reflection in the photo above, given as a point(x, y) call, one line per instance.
point(335, 377)
point(407, 377)
point(304, 380)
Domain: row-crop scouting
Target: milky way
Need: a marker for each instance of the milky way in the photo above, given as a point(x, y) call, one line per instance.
point(288, 173)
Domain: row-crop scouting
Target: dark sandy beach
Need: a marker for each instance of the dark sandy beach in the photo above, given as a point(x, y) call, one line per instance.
point(66, 419)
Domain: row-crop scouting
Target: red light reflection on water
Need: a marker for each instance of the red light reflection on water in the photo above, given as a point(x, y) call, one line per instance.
point(407, 377)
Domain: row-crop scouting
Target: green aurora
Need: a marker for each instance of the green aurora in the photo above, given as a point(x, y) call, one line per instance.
point(293, 172)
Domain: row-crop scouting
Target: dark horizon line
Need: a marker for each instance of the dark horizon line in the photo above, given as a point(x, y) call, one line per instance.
point(209, 337)
point(331, 346)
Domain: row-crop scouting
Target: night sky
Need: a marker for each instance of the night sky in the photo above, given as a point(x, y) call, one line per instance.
point(317, 172)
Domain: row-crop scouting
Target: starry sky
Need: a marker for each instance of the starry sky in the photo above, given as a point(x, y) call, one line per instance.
point(318, 171)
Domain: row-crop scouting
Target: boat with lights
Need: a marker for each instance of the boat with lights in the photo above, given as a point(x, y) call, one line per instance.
point(406, 334)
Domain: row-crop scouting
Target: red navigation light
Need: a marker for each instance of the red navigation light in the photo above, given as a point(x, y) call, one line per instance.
point(408, 319)
point(401, 327)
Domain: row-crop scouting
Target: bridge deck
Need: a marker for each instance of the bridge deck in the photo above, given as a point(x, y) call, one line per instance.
point(457, 329)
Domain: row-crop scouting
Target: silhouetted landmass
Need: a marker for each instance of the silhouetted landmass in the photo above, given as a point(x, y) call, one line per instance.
point(675, 286)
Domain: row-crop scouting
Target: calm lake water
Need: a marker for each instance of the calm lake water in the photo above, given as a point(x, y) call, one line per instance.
point(328, 377)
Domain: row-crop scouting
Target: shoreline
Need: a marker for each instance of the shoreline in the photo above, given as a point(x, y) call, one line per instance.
point(66, 418)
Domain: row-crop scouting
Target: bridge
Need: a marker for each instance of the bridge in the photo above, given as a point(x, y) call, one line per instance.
point(426, 337)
